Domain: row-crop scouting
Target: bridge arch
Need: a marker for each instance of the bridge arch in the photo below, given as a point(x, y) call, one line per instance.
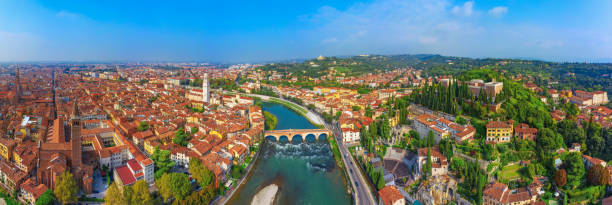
point(271, 138)
point(310, 138)
point(283, 139)
point(297, 138)
point(322, 137)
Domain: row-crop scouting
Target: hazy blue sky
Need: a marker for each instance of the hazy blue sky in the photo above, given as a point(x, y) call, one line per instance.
point(250, 31)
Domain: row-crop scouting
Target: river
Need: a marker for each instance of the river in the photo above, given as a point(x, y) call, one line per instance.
point(306, 173)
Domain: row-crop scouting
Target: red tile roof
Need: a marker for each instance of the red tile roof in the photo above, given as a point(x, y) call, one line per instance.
point(127, 178)
point(389, 194)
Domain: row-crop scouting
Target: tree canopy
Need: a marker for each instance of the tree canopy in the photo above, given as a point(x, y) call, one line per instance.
point(66, 189)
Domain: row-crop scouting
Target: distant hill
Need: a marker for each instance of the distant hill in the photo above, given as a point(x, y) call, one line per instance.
point(585, 76)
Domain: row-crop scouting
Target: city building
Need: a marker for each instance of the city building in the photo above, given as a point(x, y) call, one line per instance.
point(499, 194)
point(499, 131)
point(389, 195)
point(523, 131)
point(439, 163)
point(31, 191)
point(442, 128)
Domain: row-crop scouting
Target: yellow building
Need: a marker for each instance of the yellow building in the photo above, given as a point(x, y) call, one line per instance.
point(149, 147)
point(393, 121)
point(6, 147)
point(215, 133)
point(499, 131)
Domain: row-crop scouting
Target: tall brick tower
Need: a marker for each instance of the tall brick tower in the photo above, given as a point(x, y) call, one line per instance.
point(75, 136)
point(205, 88)
point(18, 86)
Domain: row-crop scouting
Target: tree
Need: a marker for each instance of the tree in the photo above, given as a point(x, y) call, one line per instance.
point(200, 173)
point(531, 170)
point(66, 188)
point(546, 140)
point(430, 139)
point(46, 198)
point(380, 182)
point(595, 143)
point(162, 161)
point(181, 138)
point(194, 130)
point(570, 132)
point(356, 108)
point(460, 120)
point(173, 185)
point(560, 177)
point(270, 120)
point(141, 194)
point(237, 171)
point(113, 195)
point(575, 169)
point(143, 126)
point(598, 175)
point(203, 196)
point(427, 169)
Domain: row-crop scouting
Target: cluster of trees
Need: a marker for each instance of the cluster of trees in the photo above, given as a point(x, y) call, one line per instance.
point(376, 130)
point(173, 185)
point(46, 198)
point(137, 194)
point(330, 116)
point(524, 106)
point(598, 175)
point(573, 165)
point(401, 104)
point(225, 84)
point(474, 179)
point(377, 177)
point(201, 174)
point(196, 82)
point(418, 142)
point(270, 120)
point(163, 164)
point(181, 137)
point(349, 66)
point(446, 147)
point(264, 91)
point(595, 140)
point(143, 126)
point(446, 99)
point(204, 196)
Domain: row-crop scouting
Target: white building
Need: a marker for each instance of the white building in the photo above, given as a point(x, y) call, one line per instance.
point(350, 135)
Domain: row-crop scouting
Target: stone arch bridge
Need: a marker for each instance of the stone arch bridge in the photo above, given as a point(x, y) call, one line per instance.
point(298, 135)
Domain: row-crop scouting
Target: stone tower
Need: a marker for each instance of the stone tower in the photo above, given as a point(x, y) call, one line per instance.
point(205, 88)
point(17, 86)
point(75, 136)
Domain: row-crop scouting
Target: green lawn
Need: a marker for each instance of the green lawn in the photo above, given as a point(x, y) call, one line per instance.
point(509, 172)
point(290, 105)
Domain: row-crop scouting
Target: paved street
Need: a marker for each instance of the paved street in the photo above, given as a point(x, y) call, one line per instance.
point(362, 192)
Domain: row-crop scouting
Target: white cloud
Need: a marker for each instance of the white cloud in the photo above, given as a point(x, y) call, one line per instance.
point(432, 26)
point(498, 11)
point(66, 14)
point(466, 10)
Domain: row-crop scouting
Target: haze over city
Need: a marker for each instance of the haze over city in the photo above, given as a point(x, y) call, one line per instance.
point(262, 31)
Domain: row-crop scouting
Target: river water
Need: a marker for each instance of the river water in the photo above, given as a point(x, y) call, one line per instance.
point(306, 173)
